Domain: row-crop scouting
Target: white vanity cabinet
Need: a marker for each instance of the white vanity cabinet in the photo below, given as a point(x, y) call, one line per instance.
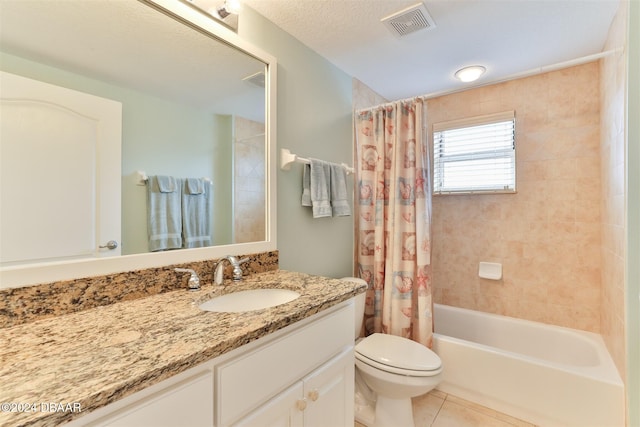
point(296, 379)
point(329, 393)
point(183, 400)
point(301, 375)
point(282, 411)
point(323, 398)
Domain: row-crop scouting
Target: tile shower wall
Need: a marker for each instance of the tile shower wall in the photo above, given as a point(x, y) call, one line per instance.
point(613, 87)
point(249, 181)
point(547, 236)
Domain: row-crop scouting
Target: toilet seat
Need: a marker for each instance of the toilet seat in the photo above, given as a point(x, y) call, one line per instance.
point(398, 355)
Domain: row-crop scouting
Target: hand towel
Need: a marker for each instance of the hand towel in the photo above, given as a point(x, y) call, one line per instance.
point(195, 185)
point(339, 203)
point(167, 184)
point(196, 213)
point(320, 176)
point(306, 185)
point(164, 217)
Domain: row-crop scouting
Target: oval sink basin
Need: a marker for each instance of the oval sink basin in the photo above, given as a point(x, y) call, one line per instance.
point(254, 299)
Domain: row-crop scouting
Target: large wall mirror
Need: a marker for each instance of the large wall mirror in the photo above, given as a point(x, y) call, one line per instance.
point(196, 102)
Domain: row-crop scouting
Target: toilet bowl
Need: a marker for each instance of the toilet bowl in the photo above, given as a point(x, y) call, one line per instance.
point(390, 370)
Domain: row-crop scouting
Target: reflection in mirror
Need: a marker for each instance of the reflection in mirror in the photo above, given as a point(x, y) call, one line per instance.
point(192, 106)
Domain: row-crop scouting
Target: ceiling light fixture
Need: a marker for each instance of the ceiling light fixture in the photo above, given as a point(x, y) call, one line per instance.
point(470, 74)
point(229, 7)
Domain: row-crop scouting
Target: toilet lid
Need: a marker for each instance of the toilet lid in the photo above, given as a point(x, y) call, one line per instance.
point(398, 352)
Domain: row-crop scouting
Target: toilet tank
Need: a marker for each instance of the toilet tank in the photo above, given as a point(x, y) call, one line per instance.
point(359, 306)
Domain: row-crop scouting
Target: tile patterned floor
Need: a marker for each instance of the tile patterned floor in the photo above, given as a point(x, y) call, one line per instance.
point(438, 409)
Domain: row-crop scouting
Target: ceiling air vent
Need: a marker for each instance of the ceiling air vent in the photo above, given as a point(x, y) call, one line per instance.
point(409, 20)
point(256, 79)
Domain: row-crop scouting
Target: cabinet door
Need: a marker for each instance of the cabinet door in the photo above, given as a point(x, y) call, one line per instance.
point(329, 393)
point(250, 380)
point(285, 410)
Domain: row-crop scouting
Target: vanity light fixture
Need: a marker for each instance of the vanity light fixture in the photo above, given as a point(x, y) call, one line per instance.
point(470, 74)
point(228, 7)
point(224, 11)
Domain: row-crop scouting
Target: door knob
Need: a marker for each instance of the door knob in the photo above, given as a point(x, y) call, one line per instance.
point(111, 245)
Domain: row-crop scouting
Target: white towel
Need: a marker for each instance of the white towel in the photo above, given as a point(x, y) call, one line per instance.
point(319, 188)
point(164, 224)
point(339, 203)
point(196, 213)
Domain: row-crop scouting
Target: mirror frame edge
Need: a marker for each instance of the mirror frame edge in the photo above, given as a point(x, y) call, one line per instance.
point(33, 274)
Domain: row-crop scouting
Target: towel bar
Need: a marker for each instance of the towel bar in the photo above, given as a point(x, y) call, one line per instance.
point(142, 178)
point(287, 158)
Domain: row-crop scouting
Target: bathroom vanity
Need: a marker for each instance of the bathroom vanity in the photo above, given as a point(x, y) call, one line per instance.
point(161, 360)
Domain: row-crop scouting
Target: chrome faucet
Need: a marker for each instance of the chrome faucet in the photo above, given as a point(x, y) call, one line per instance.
point(237, 271)
point(194, 280)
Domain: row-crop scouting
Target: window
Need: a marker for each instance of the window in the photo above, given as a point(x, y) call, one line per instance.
point(475, 155)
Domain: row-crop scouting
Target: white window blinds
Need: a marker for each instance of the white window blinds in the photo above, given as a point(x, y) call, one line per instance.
point(475, 155)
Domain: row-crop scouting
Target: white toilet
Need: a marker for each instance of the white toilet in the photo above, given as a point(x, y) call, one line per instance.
point(390, 370)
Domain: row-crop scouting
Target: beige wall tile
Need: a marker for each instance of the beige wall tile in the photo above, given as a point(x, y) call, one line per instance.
point(249, 181)
point(547, 236)
point(612, 147)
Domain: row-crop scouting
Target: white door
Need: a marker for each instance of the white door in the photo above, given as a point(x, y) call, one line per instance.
point(60, 172)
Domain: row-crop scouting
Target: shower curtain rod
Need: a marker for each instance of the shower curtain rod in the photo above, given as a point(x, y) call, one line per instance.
point(528, 73)
point(390, 103)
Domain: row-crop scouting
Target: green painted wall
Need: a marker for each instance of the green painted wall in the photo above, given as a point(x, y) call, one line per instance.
point(633, 217)
point(314, 120)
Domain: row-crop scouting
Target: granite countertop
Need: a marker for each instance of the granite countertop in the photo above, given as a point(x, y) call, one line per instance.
point(97, 356)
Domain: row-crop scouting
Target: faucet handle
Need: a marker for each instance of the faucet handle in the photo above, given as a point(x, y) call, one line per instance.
point(237, 271)
point(194, 280)
point(235, 263)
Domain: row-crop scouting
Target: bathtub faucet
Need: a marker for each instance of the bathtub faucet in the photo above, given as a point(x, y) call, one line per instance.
point(235, 263)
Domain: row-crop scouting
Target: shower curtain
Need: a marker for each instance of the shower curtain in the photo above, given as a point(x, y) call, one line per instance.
point(393, 237)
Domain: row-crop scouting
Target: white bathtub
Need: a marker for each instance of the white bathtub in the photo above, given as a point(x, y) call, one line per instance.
point(544, 374)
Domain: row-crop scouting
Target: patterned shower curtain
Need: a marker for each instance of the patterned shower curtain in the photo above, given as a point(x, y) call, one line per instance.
point(393, 238)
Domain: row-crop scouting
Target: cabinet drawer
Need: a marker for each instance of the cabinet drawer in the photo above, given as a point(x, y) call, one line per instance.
point(189, 402)
point(252, 378)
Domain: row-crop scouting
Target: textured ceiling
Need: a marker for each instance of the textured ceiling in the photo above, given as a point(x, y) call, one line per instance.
point(506, 36)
